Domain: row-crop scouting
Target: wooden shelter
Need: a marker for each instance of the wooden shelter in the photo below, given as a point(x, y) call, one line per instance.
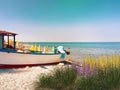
point(8, 34)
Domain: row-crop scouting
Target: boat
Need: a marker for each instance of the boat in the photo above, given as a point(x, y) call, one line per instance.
point(12, 57)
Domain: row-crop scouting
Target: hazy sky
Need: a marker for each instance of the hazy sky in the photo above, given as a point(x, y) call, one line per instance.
point(61, 20)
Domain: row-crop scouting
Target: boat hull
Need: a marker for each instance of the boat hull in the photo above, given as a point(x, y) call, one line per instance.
point(15, 60)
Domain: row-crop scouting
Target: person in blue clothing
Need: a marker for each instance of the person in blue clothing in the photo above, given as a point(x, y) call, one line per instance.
point(61, 50)
point(55, 50)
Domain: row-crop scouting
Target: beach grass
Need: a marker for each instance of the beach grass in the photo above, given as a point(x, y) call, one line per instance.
point(108, 79)
point(101, 73)
point(60, 79)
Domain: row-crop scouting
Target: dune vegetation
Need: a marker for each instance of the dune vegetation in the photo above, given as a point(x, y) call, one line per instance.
point(93, 73)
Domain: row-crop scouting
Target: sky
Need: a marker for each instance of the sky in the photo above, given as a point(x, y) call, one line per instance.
point(62, 20)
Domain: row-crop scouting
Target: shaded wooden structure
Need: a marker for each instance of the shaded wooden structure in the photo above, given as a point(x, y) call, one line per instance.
point(8, 34)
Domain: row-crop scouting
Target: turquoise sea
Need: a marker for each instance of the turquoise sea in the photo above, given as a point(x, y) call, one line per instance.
point(81, 49)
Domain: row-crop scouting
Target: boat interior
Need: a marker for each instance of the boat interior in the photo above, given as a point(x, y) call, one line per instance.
point(9, 44)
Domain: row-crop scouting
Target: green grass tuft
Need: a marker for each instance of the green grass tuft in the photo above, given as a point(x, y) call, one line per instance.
point(61, 79)
point(68, 79)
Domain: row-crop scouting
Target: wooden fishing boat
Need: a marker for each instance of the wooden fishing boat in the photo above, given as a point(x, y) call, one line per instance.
point(10, 58)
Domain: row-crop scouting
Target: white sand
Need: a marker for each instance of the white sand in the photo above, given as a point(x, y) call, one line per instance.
point(22, 78)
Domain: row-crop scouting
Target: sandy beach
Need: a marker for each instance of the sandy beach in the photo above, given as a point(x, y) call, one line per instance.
point(22, 78)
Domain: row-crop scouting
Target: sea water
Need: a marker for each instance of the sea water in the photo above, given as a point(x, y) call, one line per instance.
point(80, 49)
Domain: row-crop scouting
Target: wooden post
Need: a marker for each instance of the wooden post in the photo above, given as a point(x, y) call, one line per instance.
point(8, 40)
point(2, 41)
point(14, 42)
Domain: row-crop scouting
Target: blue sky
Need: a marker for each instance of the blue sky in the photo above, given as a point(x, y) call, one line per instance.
point(62, 20)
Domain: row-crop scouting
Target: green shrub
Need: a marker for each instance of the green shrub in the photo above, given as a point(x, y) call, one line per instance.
point(61, 79)
point(68, 79)
point(107, 79)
